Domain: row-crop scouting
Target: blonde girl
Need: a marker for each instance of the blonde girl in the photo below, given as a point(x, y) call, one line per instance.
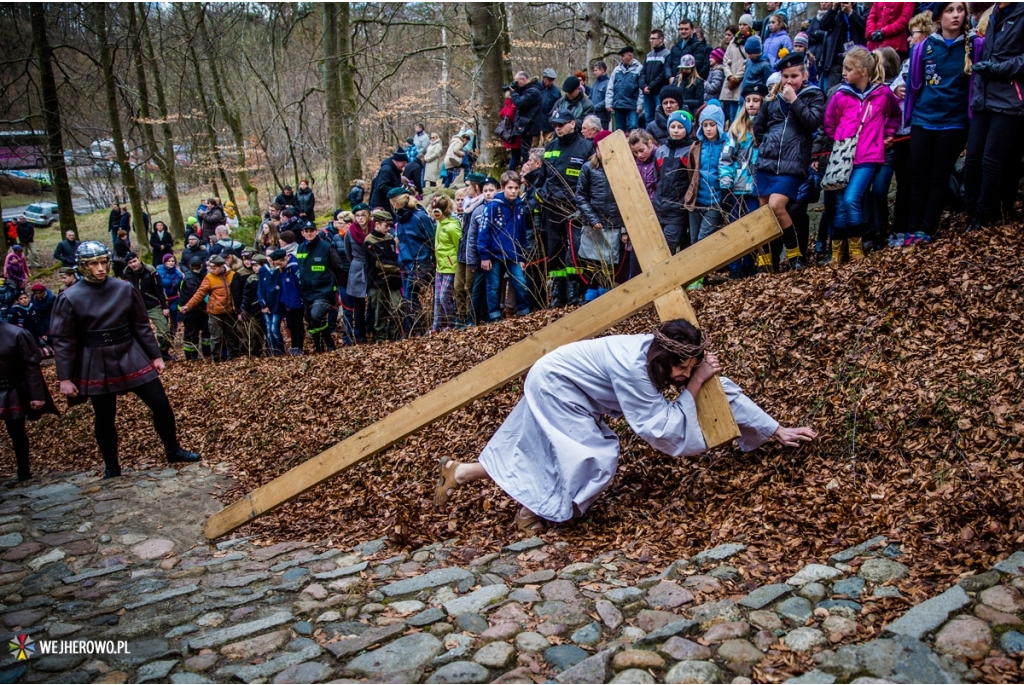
point(446, 250)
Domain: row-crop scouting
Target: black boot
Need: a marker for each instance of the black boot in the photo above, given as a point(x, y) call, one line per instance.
point(112, 472)
point(558, 292)
point(974, 225)
point(180, 455)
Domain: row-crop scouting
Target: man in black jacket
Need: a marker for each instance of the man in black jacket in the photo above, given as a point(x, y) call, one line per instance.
point(844, 26)
point(286, 198)
point(688, 44)
point(212, 218)
point(145, 279)
point(654, 73)
point(389, 176)
point(27, 240)
point(316, 276)
point(66, 249)
point(195, 321)
point(526, 96)
point(114, 222)
point(549, 96)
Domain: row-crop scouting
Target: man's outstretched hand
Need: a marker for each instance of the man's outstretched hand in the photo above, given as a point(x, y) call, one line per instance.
point(792, 437)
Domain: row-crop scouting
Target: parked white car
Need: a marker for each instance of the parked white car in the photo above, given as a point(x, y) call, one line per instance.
point(42, 213)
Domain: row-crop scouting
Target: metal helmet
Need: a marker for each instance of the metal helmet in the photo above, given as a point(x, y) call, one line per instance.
point(89, 251)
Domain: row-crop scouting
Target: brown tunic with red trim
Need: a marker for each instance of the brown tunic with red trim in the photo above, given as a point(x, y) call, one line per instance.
point(102, 340)
point(20, 379)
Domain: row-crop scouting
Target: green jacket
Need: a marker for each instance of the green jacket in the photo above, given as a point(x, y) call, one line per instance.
point(446, 244)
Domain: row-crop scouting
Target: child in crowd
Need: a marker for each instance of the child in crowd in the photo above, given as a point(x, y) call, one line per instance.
point(502, 246)
point(355, 195)
point(778, 44)
point(736, 173)
point(470, 282)
point(599, 237)
point(785, 127)
point(642, 144)
point(704, 195)
point(673, 181)
point(757, 68)
point(385, 278)
point(446, 252)
point(800, 44)
point(691, 84)
point(863, 105)
point(716, 76)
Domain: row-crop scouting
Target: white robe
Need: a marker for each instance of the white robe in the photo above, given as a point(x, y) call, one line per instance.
point(555, 456)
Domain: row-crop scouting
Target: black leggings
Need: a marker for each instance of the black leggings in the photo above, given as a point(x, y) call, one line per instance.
point(105, 408)
point(993, 156)
point(932, 156)
point(296, 327)
point(19, 439)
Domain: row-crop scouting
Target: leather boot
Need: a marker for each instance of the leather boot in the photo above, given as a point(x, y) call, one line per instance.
point(180, 455)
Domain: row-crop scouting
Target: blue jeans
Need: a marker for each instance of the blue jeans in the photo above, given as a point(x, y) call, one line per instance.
point(275, 339)
point(626, 119)
point(704, 222)
point(515, 274)
point(850, 207)
point(651, 103)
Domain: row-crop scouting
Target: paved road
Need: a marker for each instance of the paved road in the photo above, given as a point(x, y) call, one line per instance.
point(82, 206)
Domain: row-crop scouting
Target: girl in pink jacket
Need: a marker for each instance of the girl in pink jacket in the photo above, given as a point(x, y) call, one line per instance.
point(863, 102)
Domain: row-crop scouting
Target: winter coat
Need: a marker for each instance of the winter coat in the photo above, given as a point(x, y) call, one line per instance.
point(528, 109)
point(305, 203)
point(700, 51)
point(774, 43)
point(387, 178)
point(735, 64)
point(26, 233)
point(162, 244)
point(503, 230)
point(66, 252)
point(216, 290)
point(693, 95)
point(1004, 45)
point(816, 38)
point(937, 87)
point(649, 174)
point(786, 132)
point(316, 270)
point(291, 289)
point(625, 89)
point(655, 77)
point(736, 167)
point(44, 310)
point(190, 282)
point(213, 218)
point(579, 108)
point(268, 290)
point(422, 141)
point(563, 158)
point(170, 281)
point(549, 96)
point(659, 127)
point(446, 244)
point(841, 28)
point(892, 19)
point(16, 270)
point(188, 254)
point(19, 366)
point(453, 157)
point(357, 268)
point(355, 196)
point(599, 93)
point(703, 165)
point(432, 172)
point(757, 71)
point(285, 201)
point(673, 181)
point(715, 83)
point(382, 258)
point(227, 246)
point(595, 200)
point(468, 248)
point(843, 117)
point(415, 234)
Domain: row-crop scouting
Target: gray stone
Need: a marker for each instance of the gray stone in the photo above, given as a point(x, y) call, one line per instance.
point(681, 649)
point(623, 595)
point(471, 623)
point(476, 601)
point(694, 672)
point(832, 604)
point(879, 570)
point(563, 657)
point(1012, 565)
point(815, 592)
point(979, 582)
point(309, 672)
point(349, 571)
point(304, 628)
point(535, 578)
point(186, 678)
point(366, 638)
point(523, 545)
point(814, 677)
point(156, 597)
point(720, 553)
point(805, 639)
point(633, 675)
point(460, 672)
point(900, 659)
point(155, 670)
point(681, 627)
point(765, 595)
point(930, 614)
point(531, 642)
point(294, 574)
point(814, 573)
point(724, 572)
point(495, 655)
point(1012, 642)
point(850, 554)
point(589, 635)
point(177, 632)
point(59, 663)
point(668, 595)
point(610, 615)
point(425, 618)
point(796, 610)
point(593, 669)
point(143, 651)
point(716, 612)
point(886, 591)
point(370, 547)
point(851, 587)
point(299, 650)
point(435, 578)
point(406, 653)
point(524, 595)
point(11, 540)
point(224, 635)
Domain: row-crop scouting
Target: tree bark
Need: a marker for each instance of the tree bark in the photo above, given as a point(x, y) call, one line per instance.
point(644, 20)
point(231, 116)
point(595, 32)
point(110, 90)
point(211, 132)
point(736, 13)
point(353, 157)
point(332, 99)
point(486, 28)
point(51, 120)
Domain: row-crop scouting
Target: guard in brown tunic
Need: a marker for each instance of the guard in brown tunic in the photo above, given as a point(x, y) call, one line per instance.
point(23, 394)
point(104, 347)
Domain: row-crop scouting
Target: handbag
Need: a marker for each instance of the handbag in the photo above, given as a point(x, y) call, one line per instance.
point(840, 163)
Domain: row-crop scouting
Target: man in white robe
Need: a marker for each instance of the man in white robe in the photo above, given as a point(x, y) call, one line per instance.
point(555, 456)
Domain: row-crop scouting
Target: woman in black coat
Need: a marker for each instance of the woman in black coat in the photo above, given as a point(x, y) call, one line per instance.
point(597, 242)
point(161, 241)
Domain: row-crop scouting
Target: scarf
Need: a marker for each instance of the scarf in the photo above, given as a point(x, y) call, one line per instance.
point(357, 232)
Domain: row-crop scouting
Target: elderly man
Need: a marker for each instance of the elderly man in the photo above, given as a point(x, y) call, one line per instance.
point(575, 101)
point(549, 96)
point(65, 250)
point(624, 97)
point(591, 127)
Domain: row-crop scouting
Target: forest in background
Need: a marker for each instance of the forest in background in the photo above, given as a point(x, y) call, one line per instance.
point(241, 99)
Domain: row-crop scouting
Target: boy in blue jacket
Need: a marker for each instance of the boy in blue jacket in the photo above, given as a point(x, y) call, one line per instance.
point(501, 244)
point(268, 294)
point(291, 299)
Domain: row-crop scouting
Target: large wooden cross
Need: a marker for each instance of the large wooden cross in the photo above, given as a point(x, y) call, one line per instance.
point(659, 284)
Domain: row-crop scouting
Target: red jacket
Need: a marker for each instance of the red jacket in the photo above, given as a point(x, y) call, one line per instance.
point(892, 19)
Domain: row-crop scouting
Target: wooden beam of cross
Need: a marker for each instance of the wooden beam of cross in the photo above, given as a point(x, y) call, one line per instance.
point(735, 240)
point(648, 241)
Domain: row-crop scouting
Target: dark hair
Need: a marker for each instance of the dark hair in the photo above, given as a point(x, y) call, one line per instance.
point(658, 32)
point(660, 360)
point(288, 212)
point(733, 29)
point(601, 65)
point(159, 223)
point(686, 20)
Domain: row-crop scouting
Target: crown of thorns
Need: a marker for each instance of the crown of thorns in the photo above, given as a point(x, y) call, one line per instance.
point(683, 350)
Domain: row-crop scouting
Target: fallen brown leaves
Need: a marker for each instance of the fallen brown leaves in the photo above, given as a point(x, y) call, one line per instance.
point(909, 365)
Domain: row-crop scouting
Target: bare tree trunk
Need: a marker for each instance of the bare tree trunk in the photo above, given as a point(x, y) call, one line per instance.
point(110, 89)
point(644, 19)
point(164, 160)
point(332, 96)
point(485, 26)
point(231, 116)
point(737, 12)
point(353, 157)
point(211, 133)
point(595, 32)
point(51, 120)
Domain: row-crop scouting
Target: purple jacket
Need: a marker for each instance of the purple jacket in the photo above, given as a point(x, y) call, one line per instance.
point(649, 173)
point(846, 109)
